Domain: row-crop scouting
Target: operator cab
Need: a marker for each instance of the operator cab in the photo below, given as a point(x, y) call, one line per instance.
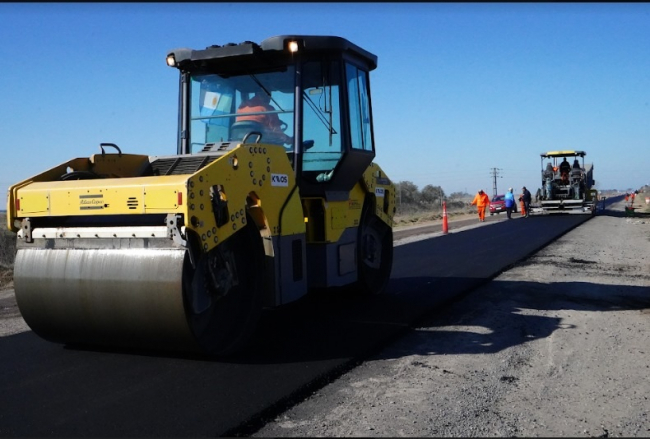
point(560, 179)
point(309, 94)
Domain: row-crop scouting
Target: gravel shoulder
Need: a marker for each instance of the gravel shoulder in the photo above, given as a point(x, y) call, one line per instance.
point(11, 322)
point(556, 346)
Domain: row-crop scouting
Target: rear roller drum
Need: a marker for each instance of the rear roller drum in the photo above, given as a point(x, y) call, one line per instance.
point(375, 252)
point(224, 294)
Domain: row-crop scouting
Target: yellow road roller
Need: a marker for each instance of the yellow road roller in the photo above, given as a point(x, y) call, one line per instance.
point(273, 192)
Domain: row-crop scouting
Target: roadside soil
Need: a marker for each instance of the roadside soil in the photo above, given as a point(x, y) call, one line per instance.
point(557, 346)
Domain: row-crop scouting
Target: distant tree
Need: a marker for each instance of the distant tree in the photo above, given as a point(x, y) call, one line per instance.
point(408, 193)
point(432, 194)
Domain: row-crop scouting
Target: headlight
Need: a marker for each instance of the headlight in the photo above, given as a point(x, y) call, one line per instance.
point(293, 46)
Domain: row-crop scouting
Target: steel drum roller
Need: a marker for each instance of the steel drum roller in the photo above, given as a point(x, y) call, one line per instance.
point(125, 297)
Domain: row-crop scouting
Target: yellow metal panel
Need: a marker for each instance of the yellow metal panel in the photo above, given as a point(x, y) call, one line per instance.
point(377, 182)
point(52, 174)
point(355, 204)
point(119, 165)
point(35, 202)
point(102, 196)
point(339, 217)
point(292, 220)
point(251, 175)
point(11, 203)
point(344, 214)
point(260, 171)
point(86, 201)
point(160, 198)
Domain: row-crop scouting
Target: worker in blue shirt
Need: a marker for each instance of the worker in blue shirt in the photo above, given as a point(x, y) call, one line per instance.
point(509, 200)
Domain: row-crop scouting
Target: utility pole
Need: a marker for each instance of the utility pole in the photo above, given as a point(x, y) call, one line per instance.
point(495, 174)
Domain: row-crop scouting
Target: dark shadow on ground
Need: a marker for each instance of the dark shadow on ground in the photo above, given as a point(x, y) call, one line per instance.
point(345, 325)
point(513, 327)
point(624, 214)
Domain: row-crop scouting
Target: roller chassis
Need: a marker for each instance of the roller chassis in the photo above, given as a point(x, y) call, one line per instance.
point(183, 252)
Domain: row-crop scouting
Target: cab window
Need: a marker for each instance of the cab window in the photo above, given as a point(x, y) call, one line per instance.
point(321, 116)
point(215, 101)
point(359, 108)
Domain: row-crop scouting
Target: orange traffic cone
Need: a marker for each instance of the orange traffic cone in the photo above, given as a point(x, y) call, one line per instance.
point(445, 225)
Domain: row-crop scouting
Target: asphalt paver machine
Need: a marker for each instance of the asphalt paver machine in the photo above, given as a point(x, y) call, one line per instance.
point(567, 184)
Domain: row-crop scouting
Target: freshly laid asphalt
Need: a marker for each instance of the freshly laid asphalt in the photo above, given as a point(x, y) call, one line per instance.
point(50, 390)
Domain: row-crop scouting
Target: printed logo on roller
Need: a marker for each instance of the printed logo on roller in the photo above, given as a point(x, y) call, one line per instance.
point(88, 202)
point(280, 180)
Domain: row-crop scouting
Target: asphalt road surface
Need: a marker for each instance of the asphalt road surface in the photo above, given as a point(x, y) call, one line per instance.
point(50, 390)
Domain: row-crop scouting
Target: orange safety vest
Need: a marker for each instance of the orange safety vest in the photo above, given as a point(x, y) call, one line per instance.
point(481, 200)
point(255, 105)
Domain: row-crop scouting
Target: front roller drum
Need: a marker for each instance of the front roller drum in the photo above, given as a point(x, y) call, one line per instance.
point(109, 297)
point(149, 298)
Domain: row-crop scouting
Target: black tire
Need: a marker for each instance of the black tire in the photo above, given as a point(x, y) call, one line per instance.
point(224, 295)
point(374, 252)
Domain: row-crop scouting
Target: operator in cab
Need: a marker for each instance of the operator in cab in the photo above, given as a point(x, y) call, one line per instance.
point(259, 106)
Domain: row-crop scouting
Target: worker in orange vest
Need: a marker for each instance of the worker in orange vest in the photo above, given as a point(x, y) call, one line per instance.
point(523, 206)
point(265, 114)
point(482, 201)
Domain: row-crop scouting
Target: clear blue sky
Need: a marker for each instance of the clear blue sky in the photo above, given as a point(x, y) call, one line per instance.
point(459, 89)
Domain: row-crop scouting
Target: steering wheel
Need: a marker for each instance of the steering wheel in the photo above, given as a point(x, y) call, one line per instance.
point(283, 126)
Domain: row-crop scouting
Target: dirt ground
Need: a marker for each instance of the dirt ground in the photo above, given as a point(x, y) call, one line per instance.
point(557, 346)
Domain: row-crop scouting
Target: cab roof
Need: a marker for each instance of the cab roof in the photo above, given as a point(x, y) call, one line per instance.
point(564, 154)
point(271, 52)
